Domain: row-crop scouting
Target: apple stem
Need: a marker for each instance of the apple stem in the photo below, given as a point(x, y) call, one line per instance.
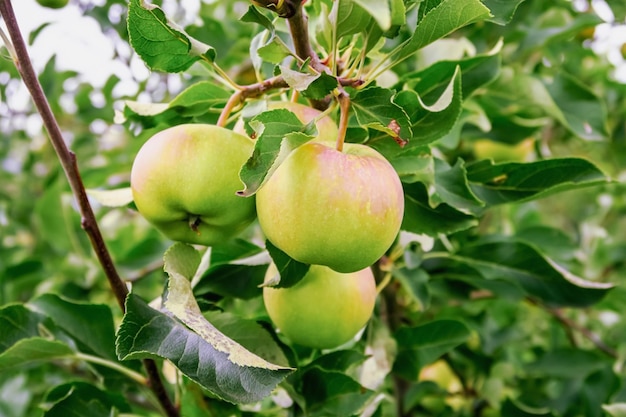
point(344, 112)
point(68, 162)
point(232, 102)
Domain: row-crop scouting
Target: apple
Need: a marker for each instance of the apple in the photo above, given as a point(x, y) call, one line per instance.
point(53, 4)
point(326, 128)
point(503, 152)
point(323, 310)
point(184, 181)
point(326, 207)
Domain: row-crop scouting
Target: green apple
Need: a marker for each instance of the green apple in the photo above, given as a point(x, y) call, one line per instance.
point(53, 4)
point(323, 310)
point(503, 152)
point(326, 128)
point(184, 181)
point(326, 207)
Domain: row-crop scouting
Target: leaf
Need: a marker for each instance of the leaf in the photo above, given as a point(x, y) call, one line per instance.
point(349, 18)
point(147, 333)
point(421, 218)
point(502, 10)
point(236, 269)
point(181, 259)
point(440, 21)
point(516, 182)
point(415, 283)
point(418, 346)
point(577, 107)
point(274, 51)
point(112, 198)
point(290, 271)
point(34, 349)
point(452, 187)
point(332, 393)
point(379, 10)
point(90, 325)
point(524, 266)
point(278, 133)
point(162, 45)
point(79, 399)
point(374, 108)
point(567, 363)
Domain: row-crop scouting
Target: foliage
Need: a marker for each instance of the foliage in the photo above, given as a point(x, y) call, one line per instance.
point(510, 272)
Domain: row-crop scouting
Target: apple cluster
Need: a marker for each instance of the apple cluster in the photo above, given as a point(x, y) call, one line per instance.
point(338, 211)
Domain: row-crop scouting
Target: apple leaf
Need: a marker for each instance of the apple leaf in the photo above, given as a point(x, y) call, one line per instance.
point(577, 107)
point(374, 107)
point(502, 10)
point(515, 182)
point(524, 266)
point(331, 393)
point(33, 349)
point(439, 21)
point(418, 346)
point(290, 271)
point(379, 10)
point(159, 42)
point(278, 133)
point(349, 18)
point(421, 218)
point(451, 187)
point(237, 269)
point(193, 344)
point(76, 398)
point(147, 333)
point(89, 325)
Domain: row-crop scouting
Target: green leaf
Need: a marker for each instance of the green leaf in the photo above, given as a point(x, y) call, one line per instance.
point(502, 10)
point(79, 399)
point(379, 10)
point(181, 259)
point(418, 346)
point(34, 349)
point(415, 283)
point(220, 366)
point(250, 334)
point(421, 218)
point(349, 18)
point(579, 109)
point(452, 187)
point(274, 51)
point(440, 21)
point(375, 108)
point(332, 393)
point(515, 182)
point(290, 271)
point(162, 45)
point(524, 266)
point(90, 325)
point(278, 133)
point(567, 363)
point(236, 269)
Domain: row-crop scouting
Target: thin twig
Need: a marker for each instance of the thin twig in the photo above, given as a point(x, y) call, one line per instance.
point(570, 325)
point(70, 167)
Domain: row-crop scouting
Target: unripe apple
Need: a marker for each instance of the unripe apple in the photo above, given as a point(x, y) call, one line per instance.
point(326, 207)
point(326, 127)
point(323, 310)
point(185, 179)
point(53, 4)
